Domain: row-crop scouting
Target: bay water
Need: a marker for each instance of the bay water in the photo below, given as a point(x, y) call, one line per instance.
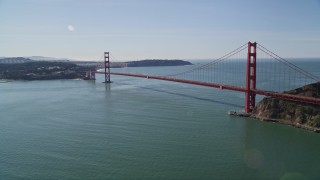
point(144, 129)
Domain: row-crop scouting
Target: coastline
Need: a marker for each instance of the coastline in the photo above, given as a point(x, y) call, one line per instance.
point(296, 114)
point(286, 122)
point(51, 70)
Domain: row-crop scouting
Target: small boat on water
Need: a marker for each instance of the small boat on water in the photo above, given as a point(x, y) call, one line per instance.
point(241, 114)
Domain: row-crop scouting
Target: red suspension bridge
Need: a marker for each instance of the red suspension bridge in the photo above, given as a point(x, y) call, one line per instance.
point(240, 70)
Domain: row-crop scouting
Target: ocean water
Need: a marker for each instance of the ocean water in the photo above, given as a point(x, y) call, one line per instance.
point(144, 129)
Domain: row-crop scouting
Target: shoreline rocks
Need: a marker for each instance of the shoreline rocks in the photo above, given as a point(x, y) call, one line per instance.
point(300, 115)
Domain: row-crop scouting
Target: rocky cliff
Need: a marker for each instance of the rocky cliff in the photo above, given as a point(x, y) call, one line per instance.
point(293, 113)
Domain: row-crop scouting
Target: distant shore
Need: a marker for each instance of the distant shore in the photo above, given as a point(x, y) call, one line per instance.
point(26, 69)
point(42, 70)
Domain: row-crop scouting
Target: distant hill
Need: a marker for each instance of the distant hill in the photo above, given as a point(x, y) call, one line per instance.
point(14, 60)
point(43, 58)
point(32, 58)
point(157, 62)
point(42, 70)
point(99, 64)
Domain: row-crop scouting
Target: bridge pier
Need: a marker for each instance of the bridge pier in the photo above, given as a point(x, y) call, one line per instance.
point(251, 77)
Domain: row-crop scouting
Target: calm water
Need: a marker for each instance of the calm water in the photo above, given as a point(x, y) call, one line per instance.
point(143, 129)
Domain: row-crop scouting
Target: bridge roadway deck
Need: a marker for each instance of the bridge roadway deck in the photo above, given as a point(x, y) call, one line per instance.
point(232, 88)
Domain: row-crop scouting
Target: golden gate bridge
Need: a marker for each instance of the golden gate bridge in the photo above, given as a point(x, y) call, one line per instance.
point(241, 72)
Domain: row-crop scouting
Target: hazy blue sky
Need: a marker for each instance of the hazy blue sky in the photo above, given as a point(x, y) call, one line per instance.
point(139, 29)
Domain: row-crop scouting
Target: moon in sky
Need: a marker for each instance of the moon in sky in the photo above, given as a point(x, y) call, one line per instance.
point(70, 28)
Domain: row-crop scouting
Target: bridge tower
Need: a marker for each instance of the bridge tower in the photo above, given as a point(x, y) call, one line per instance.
point(107, 67)
point(251, 77)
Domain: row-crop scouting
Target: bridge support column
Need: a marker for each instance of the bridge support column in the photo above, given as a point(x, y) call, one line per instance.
point(251, 77)
point(107, 67)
